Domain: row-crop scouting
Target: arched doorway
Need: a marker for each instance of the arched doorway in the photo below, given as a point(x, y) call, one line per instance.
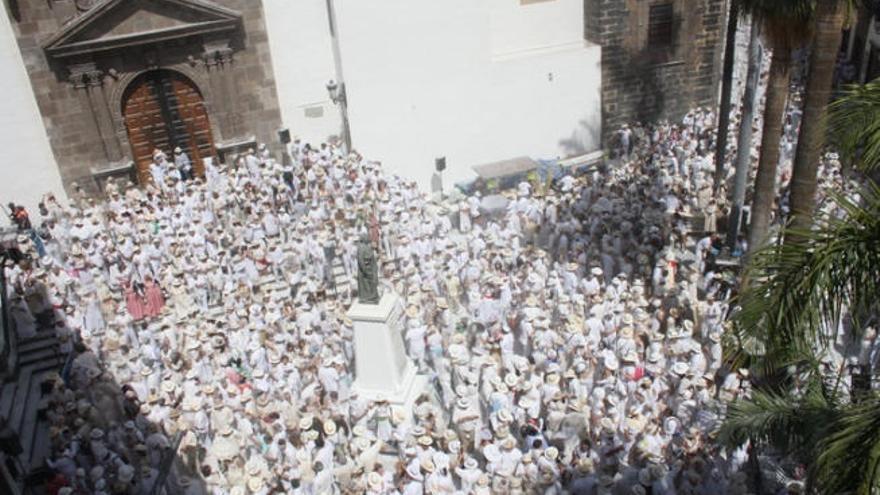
point(163, 109)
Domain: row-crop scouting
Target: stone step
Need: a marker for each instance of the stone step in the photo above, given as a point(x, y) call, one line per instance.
point(37, 356)
point(42, 340)
point(42, 447)
point(53, 364)
point(31, 418)
point(22, 396)
point(7, 398)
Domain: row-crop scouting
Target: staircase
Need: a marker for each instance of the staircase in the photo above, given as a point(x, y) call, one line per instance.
point(21, 398)
point(341, 283)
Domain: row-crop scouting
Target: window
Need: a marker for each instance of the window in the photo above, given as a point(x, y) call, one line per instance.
point(660, 27)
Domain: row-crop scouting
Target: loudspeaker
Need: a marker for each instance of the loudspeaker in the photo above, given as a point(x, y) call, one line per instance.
point(284, 135)
point(440, 163)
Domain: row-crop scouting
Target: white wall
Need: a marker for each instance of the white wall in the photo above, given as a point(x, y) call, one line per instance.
point(515, 27)
point(475, 81)
point(299, 40)
point(28, 167)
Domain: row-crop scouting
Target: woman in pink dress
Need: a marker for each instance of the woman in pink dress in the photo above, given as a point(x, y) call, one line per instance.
point(134, 302)
point(153, 296)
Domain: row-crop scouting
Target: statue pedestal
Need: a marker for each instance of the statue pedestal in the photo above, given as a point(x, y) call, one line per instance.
point(382, 368)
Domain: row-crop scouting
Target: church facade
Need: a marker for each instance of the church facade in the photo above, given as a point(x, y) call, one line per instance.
point(115, 80)
point(97, 85)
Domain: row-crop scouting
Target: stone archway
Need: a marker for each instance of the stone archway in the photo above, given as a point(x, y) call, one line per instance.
point(163, 109)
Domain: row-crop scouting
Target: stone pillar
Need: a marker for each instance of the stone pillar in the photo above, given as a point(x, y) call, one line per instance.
point(98, 99)
point(382, 368)
point(218, 62)
point(89, 81)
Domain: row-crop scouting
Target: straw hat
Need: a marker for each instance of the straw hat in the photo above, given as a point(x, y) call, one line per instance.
point(255, 484)
point(680, 368)
point(374, 481)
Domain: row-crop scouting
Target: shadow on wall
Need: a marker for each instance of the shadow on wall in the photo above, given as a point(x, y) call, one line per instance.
point(644, 85)
point(586, 132)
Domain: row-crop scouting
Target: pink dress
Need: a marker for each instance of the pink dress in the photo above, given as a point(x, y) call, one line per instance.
point(134, 303)
point(154, 298)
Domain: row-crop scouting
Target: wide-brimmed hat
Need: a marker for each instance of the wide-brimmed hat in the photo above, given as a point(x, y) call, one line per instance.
point(680, 368)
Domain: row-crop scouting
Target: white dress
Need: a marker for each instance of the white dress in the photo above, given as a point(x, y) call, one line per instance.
point(94, 320)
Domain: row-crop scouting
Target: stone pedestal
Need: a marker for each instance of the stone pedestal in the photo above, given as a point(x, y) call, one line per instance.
point(382, 368)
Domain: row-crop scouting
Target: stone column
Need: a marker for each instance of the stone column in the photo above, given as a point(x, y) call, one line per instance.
point(88, 81)
point(98, 99)
point(218, 61)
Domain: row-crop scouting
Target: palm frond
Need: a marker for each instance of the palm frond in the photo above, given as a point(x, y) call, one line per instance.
point(854, 123)
point(799, 291)
point(849, 455)
point(791, 423)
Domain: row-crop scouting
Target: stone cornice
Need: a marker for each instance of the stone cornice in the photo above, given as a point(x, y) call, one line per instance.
point(63, 44)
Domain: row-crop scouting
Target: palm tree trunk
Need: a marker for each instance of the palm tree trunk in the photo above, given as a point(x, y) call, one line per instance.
point(744, 139)
point(830, 16)
point(726, 89)
point(765, 181)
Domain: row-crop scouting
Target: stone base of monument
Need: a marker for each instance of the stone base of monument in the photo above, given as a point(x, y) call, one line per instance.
point(382, 368)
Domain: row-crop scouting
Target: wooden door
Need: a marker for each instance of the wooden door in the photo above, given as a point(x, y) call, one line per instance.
point(163, 109)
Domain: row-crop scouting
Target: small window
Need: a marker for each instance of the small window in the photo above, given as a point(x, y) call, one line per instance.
point(660, 21)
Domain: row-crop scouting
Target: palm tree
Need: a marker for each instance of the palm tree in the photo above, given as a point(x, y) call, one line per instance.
point(785, 24)
point(802, 289)
point(837, 440)
point(800, 294)
point(830, 16)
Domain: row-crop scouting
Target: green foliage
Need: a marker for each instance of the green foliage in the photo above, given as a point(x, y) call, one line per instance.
point(791, 423)
point(849, 455)
point(799, 290)
point(795, 300)
point(838, 442)
point(854, 123)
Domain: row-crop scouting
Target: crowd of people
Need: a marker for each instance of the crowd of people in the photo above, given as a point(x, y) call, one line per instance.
point(572, 340)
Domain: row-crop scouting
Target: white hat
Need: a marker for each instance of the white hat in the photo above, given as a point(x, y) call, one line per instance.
point(504, 416)
point(255, 483)
point(680, 368)
point(125, 474)
point(611, 363)
point(413, 471)
point(374, 481)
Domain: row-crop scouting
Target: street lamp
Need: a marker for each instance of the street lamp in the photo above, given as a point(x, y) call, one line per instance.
point(338, 97)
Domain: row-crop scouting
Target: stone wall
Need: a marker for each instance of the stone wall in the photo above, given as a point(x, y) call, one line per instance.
point(79, 97)
point(643, 83)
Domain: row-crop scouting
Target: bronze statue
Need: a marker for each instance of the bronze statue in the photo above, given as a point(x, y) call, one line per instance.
point(368, 272)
